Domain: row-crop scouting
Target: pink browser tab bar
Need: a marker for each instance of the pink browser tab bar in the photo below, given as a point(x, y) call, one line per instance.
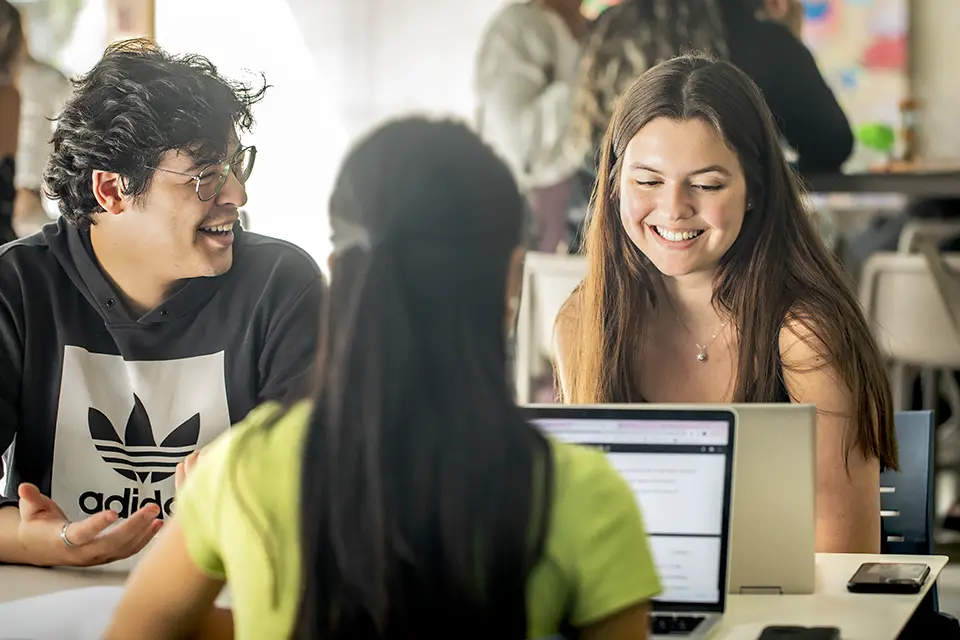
point(614, 431)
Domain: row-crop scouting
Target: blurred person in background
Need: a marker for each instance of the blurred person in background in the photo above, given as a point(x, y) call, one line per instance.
point(43, 91)
point(524, 79)
point(761, 37)
point(626, 40)
point(11, 44)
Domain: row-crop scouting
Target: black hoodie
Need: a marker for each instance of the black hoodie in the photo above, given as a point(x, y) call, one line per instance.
point(100, 405)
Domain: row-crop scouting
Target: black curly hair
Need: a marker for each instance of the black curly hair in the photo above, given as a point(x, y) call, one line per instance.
point(137, 103)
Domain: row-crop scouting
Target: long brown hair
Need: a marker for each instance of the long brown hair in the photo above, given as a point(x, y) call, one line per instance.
point(626, 40)
point(778, 270)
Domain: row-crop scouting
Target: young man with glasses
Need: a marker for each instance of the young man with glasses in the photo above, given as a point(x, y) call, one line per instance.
point(145, 321)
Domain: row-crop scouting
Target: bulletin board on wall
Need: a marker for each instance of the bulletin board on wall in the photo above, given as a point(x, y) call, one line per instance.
point(861, 47)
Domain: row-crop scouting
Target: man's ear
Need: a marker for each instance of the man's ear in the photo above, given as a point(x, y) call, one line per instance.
point(108, 190)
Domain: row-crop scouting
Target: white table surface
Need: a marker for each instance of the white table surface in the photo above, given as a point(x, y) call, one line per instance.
point(26, 582)
point(859, 616)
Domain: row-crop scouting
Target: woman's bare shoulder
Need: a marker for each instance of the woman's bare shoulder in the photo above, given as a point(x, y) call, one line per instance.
point(801, 342)
point(569, 313)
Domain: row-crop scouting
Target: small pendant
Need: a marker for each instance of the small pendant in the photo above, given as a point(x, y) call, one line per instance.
point(702, 357)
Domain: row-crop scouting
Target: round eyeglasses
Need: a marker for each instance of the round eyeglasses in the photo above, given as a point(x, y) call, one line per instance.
point(211, 179)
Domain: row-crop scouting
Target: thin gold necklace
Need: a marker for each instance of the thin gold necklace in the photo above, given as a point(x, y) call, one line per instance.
point(701, 348)
point(702, 353)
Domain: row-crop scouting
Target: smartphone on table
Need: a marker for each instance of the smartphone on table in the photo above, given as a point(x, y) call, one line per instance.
point(800, 633)
point(889, 577)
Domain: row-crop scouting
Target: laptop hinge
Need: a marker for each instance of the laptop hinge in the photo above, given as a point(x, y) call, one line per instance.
point(761, 591)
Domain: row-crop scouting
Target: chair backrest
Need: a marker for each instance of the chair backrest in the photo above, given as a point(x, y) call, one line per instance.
point(934, 230)
point(548, 280)
point(909, 315)
point(906, 496)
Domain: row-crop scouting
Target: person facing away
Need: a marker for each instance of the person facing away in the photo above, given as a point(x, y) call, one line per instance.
point(524, 77)
point(761, 37)
point(707, 282)
point(407, 498)
point(11, 37)
point(145, 321)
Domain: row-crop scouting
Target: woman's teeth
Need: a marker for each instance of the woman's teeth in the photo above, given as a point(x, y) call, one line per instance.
point(677, 236)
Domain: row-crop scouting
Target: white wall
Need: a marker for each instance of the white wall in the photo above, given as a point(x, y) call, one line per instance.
point(299, 134)
point(337, 68)
point(935, 50)
point(424, 53)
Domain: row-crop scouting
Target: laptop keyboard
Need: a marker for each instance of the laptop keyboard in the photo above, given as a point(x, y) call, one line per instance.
point(673, 625)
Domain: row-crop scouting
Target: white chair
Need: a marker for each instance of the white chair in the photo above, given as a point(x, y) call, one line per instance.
point(916, 231)
point(913, 309)
point(548, 280)
point(913, 237)
point(910, 317)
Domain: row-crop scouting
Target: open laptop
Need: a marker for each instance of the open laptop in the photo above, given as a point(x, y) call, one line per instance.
point(680, 465)
point(773, 534)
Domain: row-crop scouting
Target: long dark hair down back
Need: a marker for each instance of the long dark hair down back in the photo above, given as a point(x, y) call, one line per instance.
point(425, 494)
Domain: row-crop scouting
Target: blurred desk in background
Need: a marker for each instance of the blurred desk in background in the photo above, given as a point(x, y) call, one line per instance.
point(915, 186)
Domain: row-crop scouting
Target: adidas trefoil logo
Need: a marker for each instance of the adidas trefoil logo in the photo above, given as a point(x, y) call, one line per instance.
point(138, 456)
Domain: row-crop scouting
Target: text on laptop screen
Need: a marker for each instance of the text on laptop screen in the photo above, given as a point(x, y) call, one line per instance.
point(676, 470)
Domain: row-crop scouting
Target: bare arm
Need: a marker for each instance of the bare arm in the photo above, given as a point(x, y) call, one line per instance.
point(217, 625)
point(168, 596)
point(564, 336)
point(632, 623)
point(848, 496)
point(9, 120)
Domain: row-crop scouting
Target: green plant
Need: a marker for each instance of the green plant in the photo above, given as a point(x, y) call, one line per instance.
point(877, 136)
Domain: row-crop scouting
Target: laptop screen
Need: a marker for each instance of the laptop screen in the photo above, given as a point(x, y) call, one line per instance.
point(679, 465)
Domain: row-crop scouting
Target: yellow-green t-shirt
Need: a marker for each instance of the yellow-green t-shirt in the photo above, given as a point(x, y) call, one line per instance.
point(596, 560)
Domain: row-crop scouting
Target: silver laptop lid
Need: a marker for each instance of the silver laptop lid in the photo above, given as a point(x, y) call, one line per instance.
point(679, 463)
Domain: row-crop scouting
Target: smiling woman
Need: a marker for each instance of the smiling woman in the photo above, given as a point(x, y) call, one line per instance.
point(682, 196)
point(707, 282)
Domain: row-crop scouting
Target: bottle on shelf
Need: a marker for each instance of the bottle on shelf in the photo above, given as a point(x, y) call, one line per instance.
point(909, 117)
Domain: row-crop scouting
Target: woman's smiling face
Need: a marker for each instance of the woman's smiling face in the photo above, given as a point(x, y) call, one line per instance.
point(683, 195)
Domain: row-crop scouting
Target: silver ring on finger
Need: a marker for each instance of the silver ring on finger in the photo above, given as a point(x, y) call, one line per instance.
point(63, 535)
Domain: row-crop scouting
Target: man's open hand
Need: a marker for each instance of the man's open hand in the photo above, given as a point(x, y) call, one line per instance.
point(96, 540)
